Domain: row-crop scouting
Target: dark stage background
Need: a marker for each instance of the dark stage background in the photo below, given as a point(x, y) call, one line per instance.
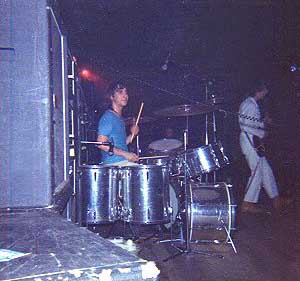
point(214, 47)
point(168, 52)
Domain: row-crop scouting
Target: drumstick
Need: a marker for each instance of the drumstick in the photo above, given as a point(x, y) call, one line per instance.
point(138, 119)
point(153, 157)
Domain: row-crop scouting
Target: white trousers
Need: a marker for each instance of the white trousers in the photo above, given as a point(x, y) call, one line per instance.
point(261, 172)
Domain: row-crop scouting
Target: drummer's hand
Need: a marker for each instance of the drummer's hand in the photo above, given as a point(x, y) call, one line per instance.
point(132, 157)
point(134, 129)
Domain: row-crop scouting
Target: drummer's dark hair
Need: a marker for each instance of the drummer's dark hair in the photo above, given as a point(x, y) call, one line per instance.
point(115, 86)
point(112, 88)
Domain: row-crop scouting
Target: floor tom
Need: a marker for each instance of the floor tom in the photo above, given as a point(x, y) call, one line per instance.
point(145, 194)
point(99, 185)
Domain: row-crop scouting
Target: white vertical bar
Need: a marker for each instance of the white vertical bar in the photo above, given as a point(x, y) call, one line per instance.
point(65, 111)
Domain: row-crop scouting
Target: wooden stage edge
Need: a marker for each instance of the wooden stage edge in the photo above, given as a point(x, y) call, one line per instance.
point(58, 249)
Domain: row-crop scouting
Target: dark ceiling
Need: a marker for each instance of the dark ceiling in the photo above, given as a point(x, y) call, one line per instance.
point(135, 33)
point(212, 47)
point(225, 42)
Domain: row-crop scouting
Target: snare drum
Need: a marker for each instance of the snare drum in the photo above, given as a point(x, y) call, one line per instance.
point(156, 160)
point(99, 186)
point(145, 194)
point(172, 163)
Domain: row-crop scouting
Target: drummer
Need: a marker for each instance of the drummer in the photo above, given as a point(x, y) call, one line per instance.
point(169, 133)
point(167, 145)
point(111, 126)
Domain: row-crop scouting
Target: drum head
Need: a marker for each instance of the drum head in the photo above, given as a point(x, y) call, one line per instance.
point(165, 145)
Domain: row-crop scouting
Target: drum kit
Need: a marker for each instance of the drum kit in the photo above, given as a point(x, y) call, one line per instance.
point(145, 193)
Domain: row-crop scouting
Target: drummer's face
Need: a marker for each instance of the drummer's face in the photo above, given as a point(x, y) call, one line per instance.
point(120, 97)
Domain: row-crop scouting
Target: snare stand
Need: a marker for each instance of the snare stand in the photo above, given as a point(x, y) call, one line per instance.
point(187, 249)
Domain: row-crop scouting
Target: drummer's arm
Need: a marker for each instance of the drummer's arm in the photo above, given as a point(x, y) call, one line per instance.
point(117, 151)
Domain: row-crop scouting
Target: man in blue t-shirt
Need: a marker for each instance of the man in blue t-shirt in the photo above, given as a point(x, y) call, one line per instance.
point(112, 127)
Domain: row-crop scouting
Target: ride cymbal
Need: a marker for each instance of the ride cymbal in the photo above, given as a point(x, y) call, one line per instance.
point(185, 110)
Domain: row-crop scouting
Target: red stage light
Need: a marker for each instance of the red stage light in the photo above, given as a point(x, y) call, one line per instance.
point(84, 73)
point(89, 75)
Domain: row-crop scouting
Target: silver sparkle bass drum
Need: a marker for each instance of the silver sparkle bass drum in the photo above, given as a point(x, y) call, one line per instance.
point(211, 212)
point(99, 185)
point(144, 193)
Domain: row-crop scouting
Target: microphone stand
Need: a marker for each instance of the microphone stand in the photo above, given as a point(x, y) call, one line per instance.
point(107, 143)
point(97, 142)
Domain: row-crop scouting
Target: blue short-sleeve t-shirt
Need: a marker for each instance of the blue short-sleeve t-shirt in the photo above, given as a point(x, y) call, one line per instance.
point(112, 126)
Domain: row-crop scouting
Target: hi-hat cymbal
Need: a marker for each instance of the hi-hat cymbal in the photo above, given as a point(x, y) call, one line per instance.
point(144, 119)
point(186, 110)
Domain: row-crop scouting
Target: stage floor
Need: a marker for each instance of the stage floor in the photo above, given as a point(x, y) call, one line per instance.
point(268, 248)
point(60, 250)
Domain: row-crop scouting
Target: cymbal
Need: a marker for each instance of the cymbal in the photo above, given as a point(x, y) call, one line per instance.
point(131, 120)
point(186, 110)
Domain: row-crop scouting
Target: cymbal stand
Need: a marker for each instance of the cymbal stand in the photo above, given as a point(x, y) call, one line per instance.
point(187, 249)
point(206, 125)
point(138, 149)
point(214, 127)
point(214, 132)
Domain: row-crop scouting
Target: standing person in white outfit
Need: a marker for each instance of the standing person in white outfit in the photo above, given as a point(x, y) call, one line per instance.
point(261, 172)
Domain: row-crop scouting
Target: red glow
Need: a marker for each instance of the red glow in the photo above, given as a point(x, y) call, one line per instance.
point(87, 74)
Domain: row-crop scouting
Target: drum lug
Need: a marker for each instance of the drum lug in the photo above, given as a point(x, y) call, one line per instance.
point(114, 211)
point(127, 214)
point(92, 214)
